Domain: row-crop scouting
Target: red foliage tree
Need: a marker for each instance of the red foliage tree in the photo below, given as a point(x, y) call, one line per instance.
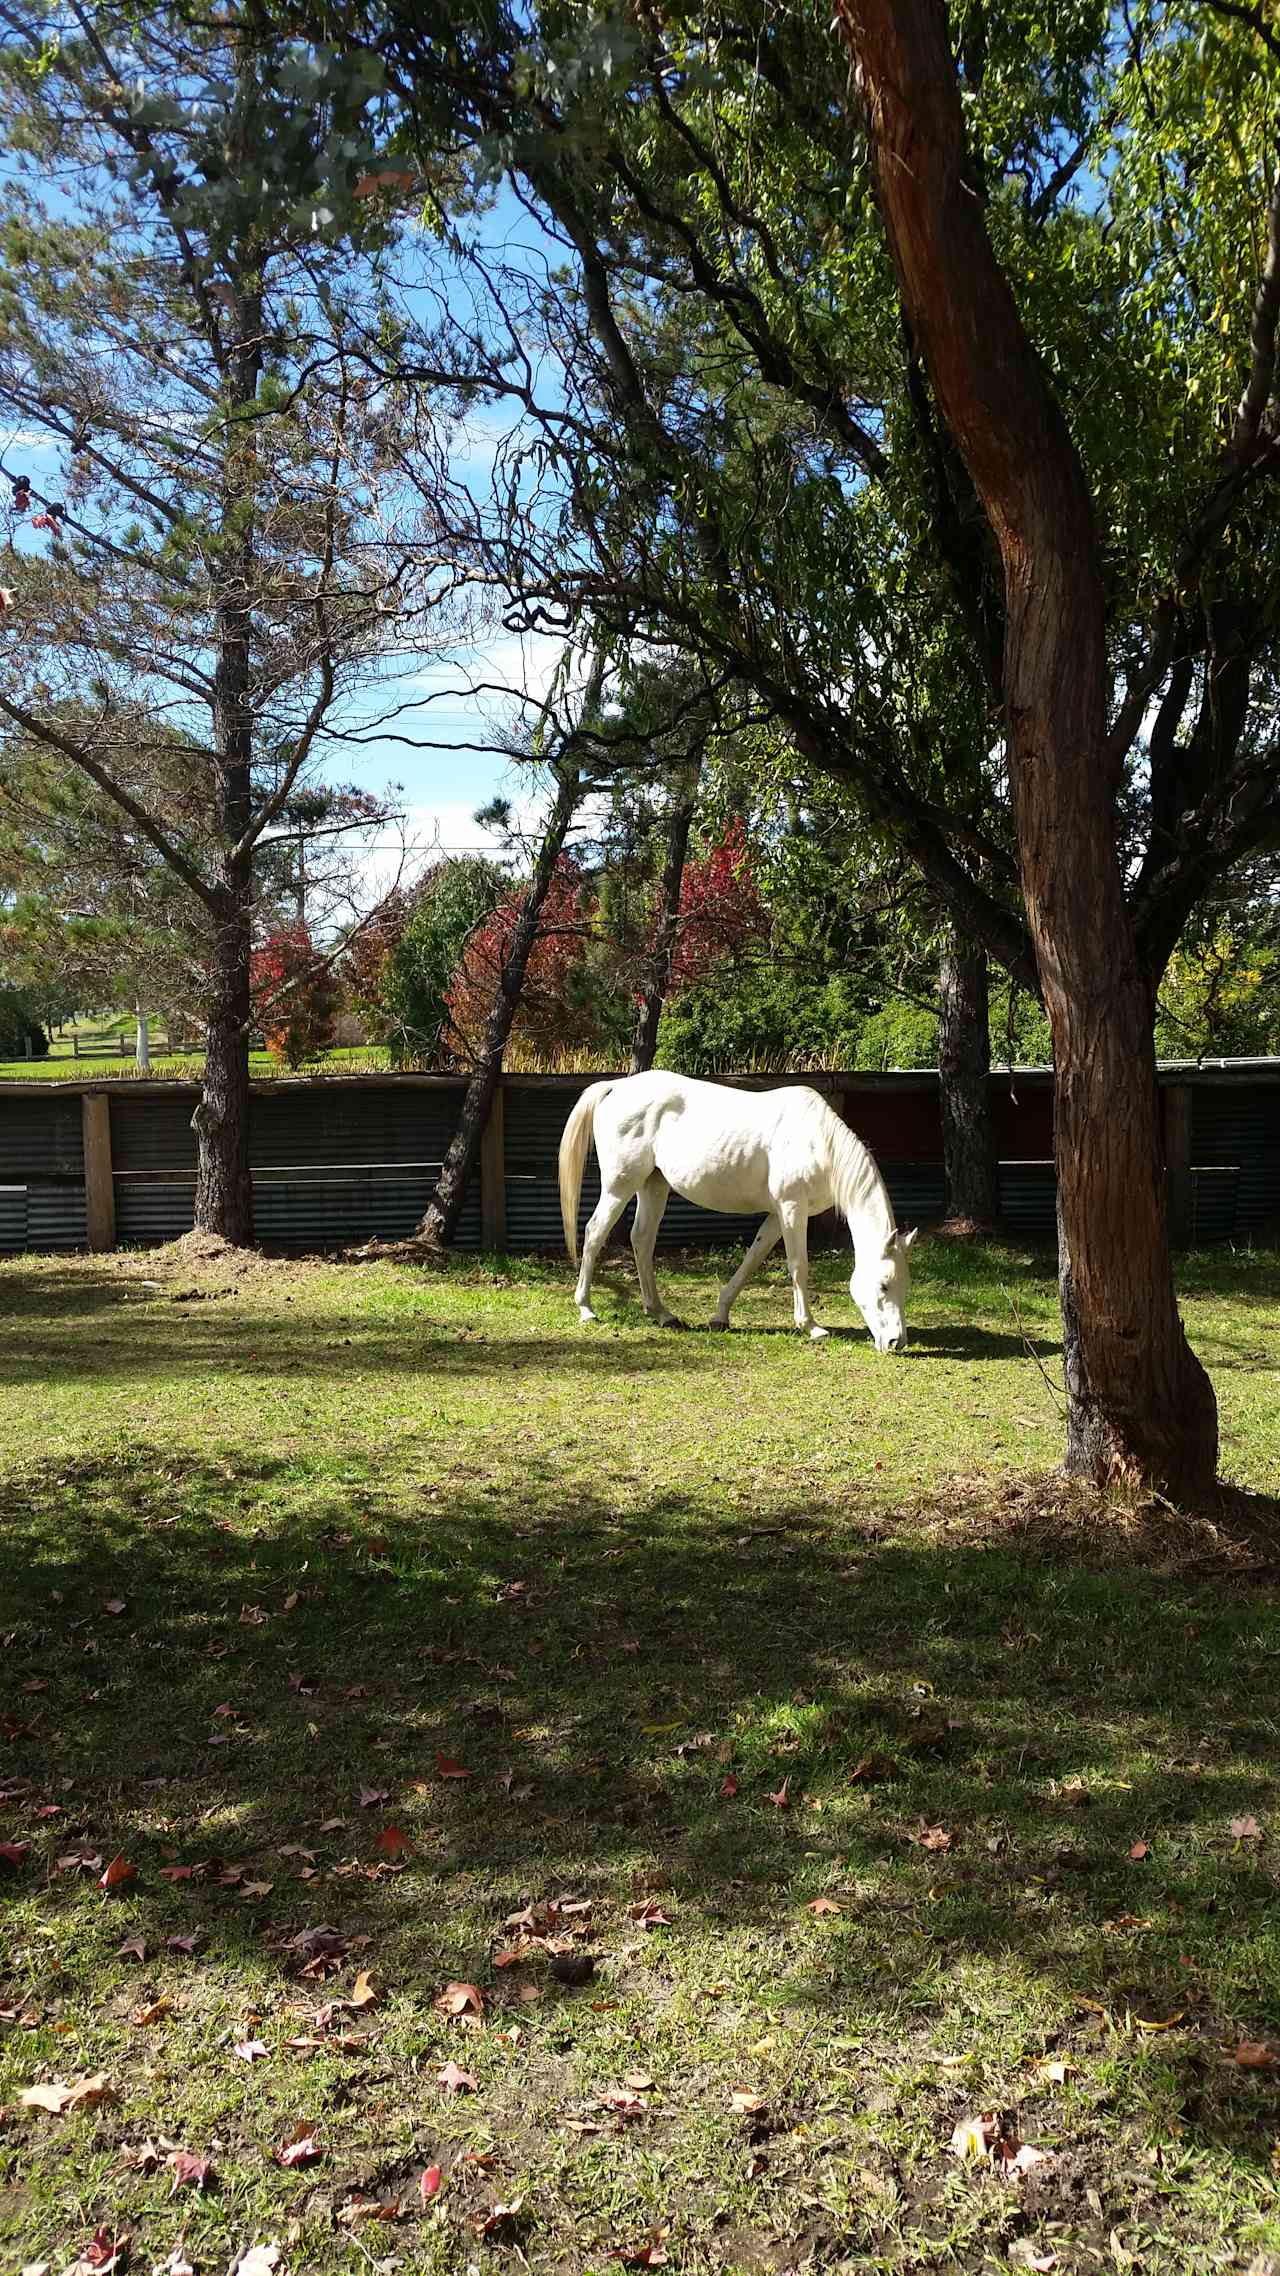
point(559, 1002)
point(295, 1002)
point(721, 910)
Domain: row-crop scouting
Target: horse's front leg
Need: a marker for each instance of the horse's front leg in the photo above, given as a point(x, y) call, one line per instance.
point(795, 1231)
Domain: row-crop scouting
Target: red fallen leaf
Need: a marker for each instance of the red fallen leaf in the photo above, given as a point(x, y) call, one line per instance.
point(446, 1767)
point(455, 2081)
point(931, 1837)
point(220, 1714)
point(117, 1871)
point(517, 1952)
point(651, 2254)
point(357, 1691)
point(1252, 2055)
point(460, 1999)
point(181, 1943)
point(649, 1915)
point(782, 1799)
point(115, 1605)
point(1246, 1829)
point(250, 2050)
point(189, 2170)
point(133, 1948)
point(392, 1842)
point(728, 1786)
point(14, 1853)
point(622, 2103)
point(178, 1872)
point(429, 2184)
point(370, 1796)
point(1140, 1850)
point(299, 2148)
point(824, 1905)
point(108, 2249)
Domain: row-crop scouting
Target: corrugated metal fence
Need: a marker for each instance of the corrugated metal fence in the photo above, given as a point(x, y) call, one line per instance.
point(339, 1160)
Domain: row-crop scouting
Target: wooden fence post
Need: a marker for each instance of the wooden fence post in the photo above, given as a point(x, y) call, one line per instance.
point(1177, 1162)
point(99, 1185)
point(493, 1175)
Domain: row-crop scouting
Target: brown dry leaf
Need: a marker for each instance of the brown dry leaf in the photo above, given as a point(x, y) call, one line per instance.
point(252, 1616)
point(151, 2014)
point(14, 1853)
point(106, 2250)
point(455, 2081)
point(189, 2170)
point(1254, 2055)
point(747, 2104)
point(1124, 1921)
point(359, 2209)
point(1054, 2073)
point(485, 2223)
point(649, 1915)
point(370, 1797)
point(364, 1991)
point(1246, 1829)
point(86, 2094)
point(133, 1948)
point(250, 2050)
point(460, 1999)
point(782, 1799)
point(651, 2254)
point(869, 1767)
point(638, 2081)
point(1151, 2023)
point(931, 1837)
point(117, 1871)
point(622, 2103)
point(1139, 1850)
point(822, 1905)
point(1073, 1793)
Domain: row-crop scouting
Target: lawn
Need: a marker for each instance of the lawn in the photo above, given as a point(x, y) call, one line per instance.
point(583, 1798)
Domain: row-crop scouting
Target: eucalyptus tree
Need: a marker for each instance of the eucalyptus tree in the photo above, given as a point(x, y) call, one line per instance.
point(203, 562)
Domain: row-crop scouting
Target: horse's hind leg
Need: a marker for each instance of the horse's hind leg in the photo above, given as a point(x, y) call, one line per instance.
point(770, 1232)
point(795, 1229)
point(608, 1209)
point(653, 1198)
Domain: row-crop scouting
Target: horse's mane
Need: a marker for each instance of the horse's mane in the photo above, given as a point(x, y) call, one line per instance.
point(856, 1184)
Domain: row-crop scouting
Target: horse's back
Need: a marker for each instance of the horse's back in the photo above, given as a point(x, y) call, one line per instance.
point(720, 1147)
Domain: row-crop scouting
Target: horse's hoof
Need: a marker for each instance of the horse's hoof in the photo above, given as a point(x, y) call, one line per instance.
point(819, 1335)
point(587, 1316)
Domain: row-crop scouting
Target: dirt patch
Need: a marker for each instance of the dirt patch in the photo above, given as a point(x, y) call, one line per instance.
point(1237, 1535)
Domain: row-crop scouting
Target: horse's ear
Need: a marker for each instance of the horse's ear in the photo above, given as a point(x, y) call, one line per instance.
point(905, 1239)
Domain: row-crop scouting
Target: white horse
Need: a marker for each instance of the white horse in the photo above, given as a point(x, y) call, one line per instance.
point(784, 1152)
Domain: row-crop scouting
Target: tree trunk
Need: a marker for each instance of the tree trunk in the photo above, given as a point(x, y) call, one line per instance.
point(224, 1186)
point(438, 1225)
point(667, 926)
point(142, 1044)
point(964, 1092)
point(1141, 1405)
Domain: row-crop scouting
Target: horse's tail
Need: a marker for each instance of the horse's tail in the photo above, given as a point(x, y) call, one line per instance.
point(574, 1148)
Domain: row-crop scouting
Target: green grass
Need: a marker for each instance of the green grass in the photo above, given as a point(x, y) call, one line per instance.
point(278, 1533)
point(188, 1067)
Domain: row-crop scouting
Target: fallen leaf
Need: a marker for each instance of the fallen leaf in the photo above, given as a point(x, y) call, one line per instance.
point(359, 2209)
point(485, 2223)
point(86, 2094)
point(106, 2250)
point(931, 1837)
point(252, 1616)
point(14, 1853)
point(1017, 2158)
point(872, 1766)
point(1148, 2023)
point(639, 2082)
point(151, 2014)
point(336, 1825)
point(782, 1799)
point(728, 1786)
point(392, 1842)
point(177, 2263)
point(181, 1943)
point(429, 2184)
point(250, 2050)
point(446, 1767)
point(1074, 1793)
point(455, 2081)
point(975, 2137)
point(1024, 2254)
point(117, 1871)
point(621, 2101)
point(1054, 2073)
point(258, 2260)
point(649, 1915)
point(115, 1605)
point(651, 2254)
point(1253, 2055)
point(823, 1905)
point(370, 1797)
point(1139, 1850)
point(189, 2170)
point(133, 1948)
point(1246, 1829)
point(460, 1999)
point(364, 1992)
point(746, 2103)
point(299, 2148)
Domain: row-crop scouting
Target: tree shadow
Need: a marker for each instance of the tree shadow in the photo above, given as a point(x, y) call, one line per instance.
point(599, 1672)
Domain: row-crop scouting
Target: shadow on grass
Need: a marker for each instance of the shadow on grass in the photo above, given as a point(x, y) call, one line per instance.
point(283, 1644)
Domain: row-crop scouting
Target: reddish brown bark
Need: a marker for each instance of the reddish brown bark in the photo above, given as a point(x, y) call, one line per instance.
point(1140, 1403)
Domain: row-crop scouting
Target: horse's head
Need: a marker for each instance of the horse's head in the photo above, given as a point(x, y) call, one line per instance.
point(879, 1288)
